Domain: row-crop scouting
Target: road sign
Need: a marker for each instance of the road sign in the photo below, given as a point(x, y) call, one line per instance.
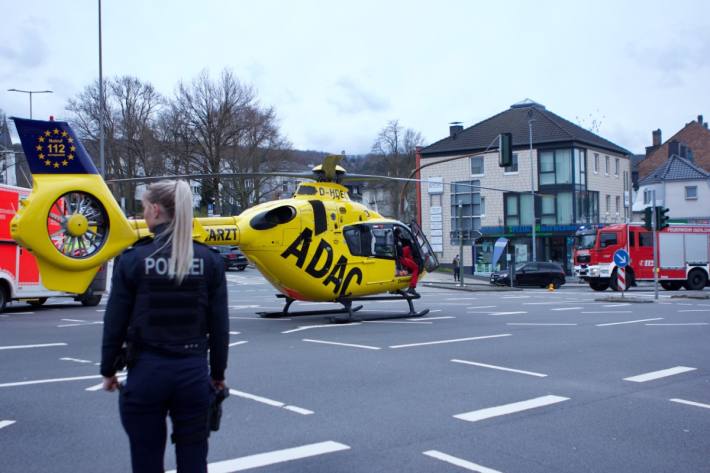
point(621, 258)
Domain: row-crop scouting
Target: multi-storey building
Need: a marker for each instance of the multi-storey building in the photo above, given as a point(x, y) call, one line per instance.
point(578, 177)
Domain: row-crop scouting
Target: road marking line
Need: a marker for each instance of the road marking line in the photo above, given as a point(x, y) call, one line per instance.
point(495, 367)
point(694, 323)
point(235, 333)
point(260, 318)
point(616, 305)
point(43, 381)
point(530, 323)
point(74, 320)
point(512, 408)
point(482, 307)
point(271, 402)
point(653, 375)
point(450, 341)
point(508, 313)
point(78, 360)
point(415, 322)
point(80, 324)
point(690, 403)
point(547, 303)
point(567, 308)
point(308, 327)
point(241, 342)
point(461, 298)
point(17, 347)
point(6, 423)
point(298, 410)
point(277, 456)
point(459, 462)
point(21, 313)
point(443, 317)
point(628, 322)
point(325, 342)
point(515, 297)
point(694, 310)
point(606, 312)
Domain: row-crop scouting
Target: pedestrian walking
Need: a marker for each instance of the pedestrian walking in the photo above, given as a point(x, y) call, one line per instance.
point(457, 268)
point(168, 305)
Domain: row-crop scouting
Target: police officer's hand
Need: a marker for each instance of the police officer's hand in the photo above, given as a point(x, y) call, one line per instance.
point(110, 383)
point(218, 384)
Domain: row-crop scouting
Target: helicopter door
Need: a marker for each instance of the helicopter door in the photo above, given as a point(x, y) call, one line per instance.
point(431, 262)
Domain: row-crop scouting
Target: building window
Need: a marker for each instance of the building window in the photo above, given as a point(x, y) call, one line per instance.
point(477, 166)
point(596, 163)
point(616, 167)
point(466, 207)
point(606, 165)
point(548, 214)
point(608, 203)
point(587, 207)
point(483, 206)
point(555, 167)
point(646, 196)
point(691, 192)
point(580, 168)
point(514, 165)
point(618, 205)
point(626, 181)
point(518, 209)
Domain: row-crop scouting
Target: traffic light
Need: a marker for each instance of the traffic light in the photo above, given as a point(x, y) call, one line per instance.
point(647, 216)
point(661, 218)
point(505, 150)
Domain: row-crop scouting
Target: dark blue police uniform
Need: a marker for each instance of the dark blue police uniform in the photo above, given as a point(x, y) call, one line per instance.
point(172, 327)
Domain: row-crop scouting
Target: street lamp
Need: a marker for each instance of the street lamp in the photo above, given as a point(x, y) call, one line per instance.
point(532, 185)
point(30, 92)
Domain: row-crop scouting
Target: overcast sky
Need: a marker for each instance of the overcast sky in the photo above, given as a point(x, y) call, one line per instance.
point(337, 72)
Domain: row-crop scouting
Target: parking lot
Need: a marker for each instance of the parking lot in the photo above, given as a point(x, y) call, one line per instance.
point(507, 381)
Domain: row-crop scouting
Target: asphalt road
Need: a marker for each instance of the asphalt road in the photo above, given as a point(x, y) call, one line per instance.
point(529, 382)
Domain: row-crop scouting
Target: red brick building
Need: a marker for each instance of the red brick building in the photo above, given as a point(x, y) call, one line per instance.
point(692, 142)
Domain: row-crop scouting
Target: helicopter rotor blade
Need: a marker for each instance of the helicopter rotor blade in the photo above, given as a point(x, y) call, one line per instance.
point(297, 175)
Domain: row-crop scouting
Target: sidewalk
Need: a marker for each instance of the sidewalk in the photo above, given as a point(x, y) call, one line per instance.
point(445, 280)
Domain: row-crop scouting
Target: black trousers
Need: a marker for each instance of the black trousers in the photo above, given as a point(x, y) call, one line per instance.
point(158, 386)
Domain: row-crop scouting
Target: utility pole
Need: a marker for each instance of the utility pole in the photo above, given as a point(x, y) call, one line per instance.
point(461, 265)
point(532, 186)
point(654, 224)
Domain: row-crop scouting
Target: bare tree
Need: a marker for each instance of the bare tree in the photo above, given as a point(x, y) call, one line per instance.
point(129, 129)
point(394, 154)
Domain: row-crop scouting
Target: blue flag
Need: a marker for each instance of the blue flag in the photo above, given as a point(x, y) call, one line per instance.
point(52, 148)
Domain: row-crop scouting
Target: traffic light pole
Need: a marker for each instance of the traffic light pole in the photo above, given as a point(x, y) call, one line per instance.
point(461, 257)
point(655, 247)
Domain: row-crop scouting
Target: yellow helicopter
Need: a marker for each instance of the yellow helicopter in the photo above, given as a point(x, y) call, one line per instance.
point(317, 246)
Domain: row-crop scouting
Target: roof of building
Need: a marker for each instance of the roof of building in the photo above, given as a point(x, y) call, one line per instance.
point(675, 169)
point(636, 160)
point(548, 128)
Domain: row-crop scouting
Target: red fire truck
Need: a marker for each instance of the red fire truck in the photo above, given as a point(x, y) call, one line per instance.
point(682, 255)
point(19, 275)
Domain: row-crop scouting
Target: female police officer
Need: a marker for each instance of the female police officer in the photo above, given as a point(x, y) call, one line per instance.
point(168, 304)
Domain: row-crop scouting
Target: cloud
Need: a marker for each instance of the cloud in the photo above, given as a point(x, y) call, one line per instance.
point(27, 51)
point(352, 98)
point(673, 61)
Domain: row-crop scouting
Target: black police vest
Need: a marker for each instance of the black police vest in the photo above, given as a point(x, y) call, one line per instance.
point(168, 317)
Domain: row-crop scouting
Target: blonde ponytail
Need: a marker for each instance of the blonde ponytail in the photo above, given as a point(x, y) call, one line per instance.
point(176, 198)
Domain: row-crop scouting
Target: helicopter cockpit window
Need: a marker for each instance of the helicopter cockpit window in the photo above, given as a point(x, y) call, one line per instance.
point(306, 190)
point(376, 240)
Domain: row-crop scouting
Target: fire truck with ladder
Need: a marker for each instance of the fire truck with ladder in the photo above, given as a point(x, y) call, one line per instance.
point(682, 255)
point(19, 275)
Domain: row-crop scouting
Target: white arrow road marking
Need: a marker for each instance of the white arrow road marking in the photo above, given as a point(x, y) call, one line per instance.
point(277, 456)
point(514, 407)
point(642, 378)
point(467, 465)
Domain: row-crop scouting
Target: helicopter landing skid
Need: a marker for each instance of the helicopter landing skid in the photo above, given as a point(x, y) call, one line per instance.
point(399, 296)
point(347, 309)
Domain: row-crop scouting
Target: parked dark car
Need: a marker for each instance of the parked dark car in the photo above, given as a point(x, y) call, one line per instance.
point(532, 274)
point(232, 257)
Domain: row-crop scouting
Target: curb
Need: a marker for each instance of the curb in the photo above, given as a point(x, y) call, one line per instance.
point(471, 288)
point(623, 299)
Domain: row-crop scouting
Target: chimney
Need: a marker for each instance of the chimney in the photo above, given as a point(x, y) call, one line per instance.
point(454, 129)
point(657, 137)
point(700, 120)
